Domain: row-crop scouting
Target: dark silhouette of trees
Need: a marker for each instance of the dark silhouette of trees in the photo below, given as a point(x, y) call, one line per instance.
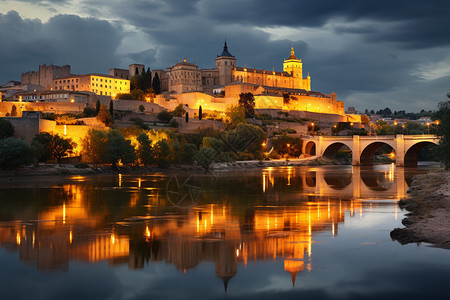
point(156, 84)
point(200, 112)
point(14, 153)
point(443, 131)
point(247, 101)
point(6, 129)
point(48, 146)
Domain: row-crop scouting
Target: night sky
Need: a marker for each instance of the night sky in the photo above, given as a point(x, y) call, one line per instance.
point(373, 54)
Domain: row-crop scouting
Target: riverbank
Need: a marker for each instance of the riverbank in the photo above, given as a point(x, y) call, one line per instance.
point(69, 169)
point(429, 207)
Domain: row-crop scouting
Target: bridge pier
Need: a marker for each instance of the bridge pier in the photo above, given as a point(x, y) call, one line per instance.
point(356, 151)
point(400, 150)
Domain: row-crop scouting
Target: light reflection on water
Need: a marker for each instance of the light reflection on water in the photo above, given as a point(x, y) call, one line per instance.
point(263, 223)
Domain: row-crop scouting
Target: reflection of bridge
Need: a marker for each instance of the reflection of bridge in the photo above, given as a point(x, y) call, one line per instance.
point(386, 182)
point(406, 147)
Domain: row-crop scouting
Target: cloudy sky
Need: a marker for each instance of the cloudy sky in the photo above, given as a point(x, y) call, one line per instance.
point(373, 54)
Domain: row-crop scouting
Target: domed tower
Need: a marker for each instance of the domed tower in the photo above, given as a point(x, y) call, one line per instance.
point(293, 65)
point(225, 62)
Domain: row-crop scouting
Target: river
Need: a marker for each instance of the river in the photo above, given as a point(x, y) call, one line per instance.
point(274, 233)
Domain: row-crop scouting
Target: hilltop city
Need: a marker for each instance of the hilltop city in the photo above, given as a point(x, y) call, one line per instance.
point(187, 99)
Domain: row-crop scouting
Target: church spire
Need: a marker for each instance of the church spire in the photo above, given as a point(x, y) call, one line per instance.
point(292, 56)
point(225, 51)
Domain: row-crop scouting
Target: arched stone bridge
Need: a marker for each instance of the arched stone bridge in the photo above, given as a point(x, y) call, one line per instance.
point(406, 147)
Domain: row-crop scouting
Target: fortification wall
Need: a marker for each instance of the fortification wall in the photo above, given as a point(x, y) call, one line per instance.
point(45, 107)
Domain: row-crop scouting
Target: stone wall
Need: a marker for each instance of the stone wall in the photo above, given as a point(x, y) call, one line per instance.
point(45, 107)
point(133, 105)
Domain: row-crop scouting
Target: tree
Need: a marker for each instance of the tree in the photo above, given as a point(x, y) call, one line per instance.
point(365, 119)
point(187, 117)
point(165, 116)
point(137, 82)
point(41, 146)
point(443, 131)
point(118, 148)
point(145, 151)
point(235, 115)
point(124, 96)
point(51, 146)
point(61, 147)
point(14, 153)
point(6, 129)
point(94, 146)
point(103, 116)
point(141, 108)
point(89, 112)
point(287, 145)
point(156, 84)
point(200, 112)
point(111, 109)
point(178, 111)
point(97, 107)
point(162, 152)
point(138, 94)
point(147, 76)
point(14, 111)
point(247, 101)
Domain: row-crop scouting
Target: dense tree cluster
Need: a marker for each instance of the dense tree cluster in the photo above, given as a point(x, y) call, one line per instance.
point(443, 131)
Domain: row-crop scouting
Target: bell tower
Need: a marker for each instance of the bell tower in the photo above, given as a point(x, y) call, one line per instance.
point(293, 65)
point(225, 62)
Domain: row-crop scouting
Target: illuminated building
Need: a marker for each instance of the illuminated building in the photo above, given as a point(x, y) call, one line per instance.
point(100, 84)
point(217, 88)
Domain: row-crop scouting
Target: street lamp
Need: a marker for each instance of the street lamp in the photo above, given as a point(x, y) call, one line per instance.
point(428, 128)
point(351, 124)
point(312, 127)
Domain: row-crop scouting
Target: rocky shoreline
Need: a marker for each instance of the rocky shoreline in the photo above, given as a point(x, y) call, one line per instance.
point(428, 220)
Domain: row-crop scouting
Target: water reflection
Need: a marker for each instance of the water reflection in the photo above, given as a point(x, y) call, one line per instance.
point(260, 215)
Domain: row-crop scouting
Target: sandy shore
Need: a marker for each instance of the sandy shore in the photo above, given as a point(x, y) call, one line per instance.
point(429, 207)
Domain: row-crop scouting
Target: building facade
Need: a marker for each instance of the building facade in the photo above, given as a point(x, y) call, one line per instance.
point(104, 85)
point(187, 77)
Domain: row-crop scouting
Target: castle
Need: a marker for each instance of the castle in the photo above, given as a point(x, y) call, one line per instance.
point(187, 77)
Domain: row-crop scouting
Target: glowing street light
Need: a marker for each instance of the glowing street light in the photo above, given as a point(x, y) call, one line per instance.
point(312, 127)
point(428, 128)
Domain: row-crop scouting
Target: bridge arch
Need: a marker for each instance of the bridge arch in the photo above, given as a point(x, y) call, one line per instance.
point(368, 153)
point(332, 149)
point(310, 149)
point(412, 153)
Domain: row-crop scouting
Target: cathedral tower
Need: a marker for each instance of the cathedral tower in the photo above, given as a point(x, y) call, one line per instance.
point(293, 65)
point(225, 62)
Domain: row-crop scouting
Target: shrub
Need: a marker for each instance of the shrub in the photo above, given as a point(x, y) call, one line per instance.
point(165, 116)
point(14, 153)
point(6, 129)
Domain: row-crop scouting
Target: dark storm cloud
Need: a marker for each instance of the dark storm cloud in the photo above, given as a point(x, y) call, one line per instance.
point(348, 46)
point(416, 23)
point(88, 44)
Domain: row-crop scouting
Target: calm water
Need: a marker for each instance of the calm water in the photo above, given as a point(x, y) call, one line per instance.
point(288, 232)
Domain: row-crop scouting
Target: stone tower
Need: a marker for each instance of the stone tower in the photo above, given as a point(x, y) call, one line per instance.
point(293, 65)
point(225, 62)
